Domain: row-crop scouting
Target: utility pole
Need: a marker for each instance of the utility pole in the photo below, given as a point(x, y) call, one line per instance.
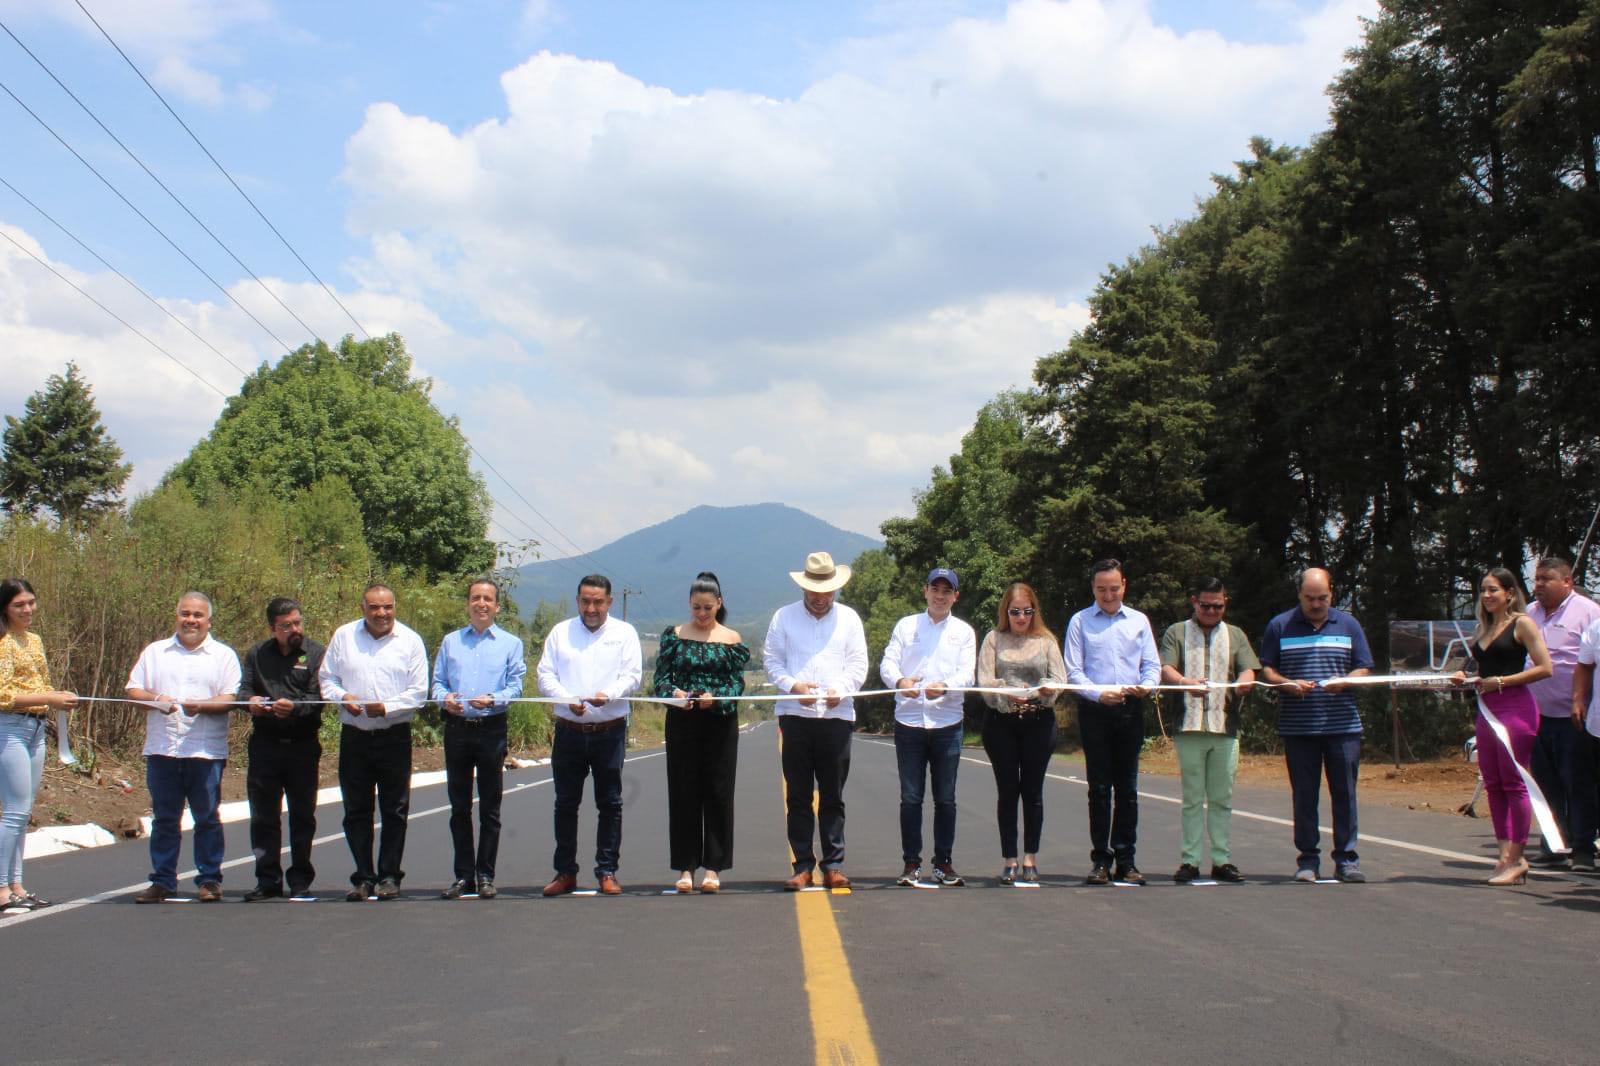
point(626, 592)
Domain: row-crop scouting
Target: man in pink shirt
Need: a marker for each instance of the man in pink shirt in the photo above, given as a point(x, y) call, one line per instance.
point(1562, 615)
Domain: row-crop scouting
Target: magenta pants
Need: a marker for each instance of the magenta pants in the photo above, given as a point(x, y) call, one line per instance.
point(1509, 807)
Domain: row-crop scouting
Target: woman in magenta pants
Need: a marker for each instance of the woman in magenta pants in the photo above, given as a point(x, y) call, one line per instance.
point(1505, 643)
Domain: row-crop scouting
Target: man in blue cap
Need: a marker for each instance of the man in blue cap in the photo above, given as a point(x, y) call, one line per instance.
point(927, 655)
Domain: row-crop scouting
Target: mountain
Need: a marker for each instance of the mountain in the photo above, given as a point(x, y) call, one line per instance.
point(751, 549)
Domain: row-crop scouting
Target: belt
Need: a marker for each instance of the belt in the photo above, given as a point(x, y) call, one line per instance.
point(592, 727)
point(474, 723)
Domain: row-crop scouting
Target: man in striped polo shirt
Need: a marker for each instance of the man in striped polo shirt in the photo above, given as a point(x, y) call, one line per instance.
point(1309, 651)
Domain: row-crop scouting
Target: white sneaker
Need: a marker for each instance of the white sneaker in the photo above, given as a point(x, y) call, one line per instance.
point(1306, 875)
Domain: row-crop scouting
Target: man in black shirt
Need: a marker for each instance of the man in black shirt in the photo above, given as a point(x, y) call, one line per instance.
point(280, 681)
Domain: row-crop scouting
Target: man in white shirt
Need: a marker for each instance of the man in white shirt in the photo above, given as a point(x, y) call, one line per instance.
point(588, 663)
point(191, 679)
point(376, 669)
point(1584, 761)
point(1562, 614)
point(927, 655)
point(816, 651)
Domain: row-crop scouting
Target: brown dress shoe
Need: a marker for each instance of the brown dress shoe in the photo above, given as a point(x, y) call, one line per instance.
point(154, 894)
point(210, 892)
point(835, 878)
point(798, 881)
point(609, 885)
point(561, 884)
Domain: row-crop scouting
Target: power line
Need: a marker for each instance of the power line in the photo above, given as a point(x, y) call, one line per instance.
point(232, 299)
point(158, 181)
point(114, 315)
point(131, 283)
point(223, 169)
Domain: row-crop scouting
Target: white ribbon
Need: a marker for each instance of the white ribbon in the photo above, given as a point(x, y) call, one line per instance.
point(1541, 808)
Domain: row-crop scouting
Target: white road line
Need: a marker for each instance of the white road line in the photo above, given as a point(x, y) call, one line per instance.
point(1405, 845)
point(102, 897)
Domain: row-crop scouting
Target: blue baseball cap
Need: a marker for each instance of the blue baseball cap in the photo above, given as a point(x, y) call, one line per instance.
point(946, 574)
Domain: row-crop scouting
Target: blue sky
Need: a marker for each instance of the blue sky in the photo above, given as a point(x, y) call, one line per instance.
point(782, 218)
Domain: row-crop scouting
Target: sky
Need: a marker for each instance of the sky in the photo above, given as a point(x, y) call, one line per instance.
point(653, 255)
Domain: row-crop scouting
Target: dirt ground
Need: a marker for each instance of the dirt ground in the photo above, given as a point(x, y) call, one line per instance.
point(1443, 786)
point(114, 796)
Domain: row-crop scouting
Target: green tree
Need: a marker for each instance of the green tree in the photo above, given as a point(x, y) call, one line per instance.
point(59, 456)
point(356, 413)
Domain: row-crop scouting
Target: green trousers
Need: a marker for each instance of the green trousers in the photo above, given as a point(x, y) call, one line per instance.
point(1207, 762)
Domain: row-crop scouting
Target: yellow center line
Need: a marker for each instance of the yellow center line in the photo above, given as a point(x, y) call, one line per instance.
point(839, 1027)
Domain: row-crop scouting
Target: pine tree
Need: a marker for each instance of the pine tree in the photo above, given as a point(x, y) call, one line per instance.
point(59, 456)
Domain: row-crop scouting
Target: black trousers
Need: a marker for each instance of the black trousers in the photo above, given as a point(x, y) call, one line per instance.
point(1113, 737)
point(377, 760)
point(280, 768)
point(475, 747)
point(1019, 747)
point(702, 761)
point(816, 758)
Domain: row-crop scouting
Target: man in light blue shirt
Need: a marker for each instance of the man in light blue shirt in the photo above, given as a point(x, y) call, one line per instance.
point(476, 670)
point(1110, 645)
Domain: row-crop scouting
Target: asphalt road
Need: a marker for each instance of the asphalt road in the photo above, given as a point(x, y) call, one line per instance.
point(1424, 964)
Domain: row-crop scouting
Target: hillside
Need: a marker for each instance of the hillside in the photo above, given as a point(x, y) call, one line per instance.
point(750, 548)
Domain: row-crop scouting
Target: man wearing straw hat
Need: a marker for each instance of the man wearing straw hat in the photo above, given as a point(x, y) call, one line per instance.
point(816, 652)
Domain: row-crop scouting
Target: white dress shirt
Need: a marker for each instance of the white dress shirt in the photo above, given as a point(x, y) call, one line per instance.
point(391, 670)
point(210, 670)
point(830, 652)
point(579, 662)
point(945, 651)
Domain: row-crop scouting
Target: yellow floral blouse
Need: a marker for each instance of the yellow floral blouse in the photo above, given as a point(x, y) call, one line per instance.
point(23, 670)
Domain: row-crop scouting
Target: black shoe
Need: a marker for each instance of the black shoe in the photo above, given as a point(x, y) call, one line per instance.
point(261, 892)
point(362, 890)
point(1549, 860)
point(1582, 864)
point(1227, 872)
point(299, 891)
point(457, 889)
point(486, 889)
point(388, 888)
point(1029, 874)
point(1186, 873)
point(1100, 875)
point(1008, 874)
point(1129, 875)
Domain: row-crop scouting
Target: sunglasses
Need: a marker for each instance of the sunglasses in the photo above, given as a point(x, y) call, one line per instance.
point(1210, 606)
point(1020, 612)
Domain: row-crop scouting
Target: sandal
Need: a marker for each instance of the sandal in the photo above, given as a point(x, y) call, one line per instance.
point(711, 883)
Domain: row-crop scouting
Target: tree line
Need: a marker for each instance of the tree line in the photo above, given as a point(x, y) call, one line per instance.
point(1375, 354)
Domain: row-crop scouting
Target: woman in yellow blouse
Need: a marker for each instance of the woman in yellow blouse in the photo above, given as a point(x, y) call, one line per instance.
point(25, 699)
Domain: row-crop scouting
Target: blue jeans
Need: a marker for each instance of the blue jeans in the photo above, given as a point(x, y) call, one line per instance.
point(21, 770)
point(1307, 757)
point(574, 756)
point(923, 753)
point(172, 783)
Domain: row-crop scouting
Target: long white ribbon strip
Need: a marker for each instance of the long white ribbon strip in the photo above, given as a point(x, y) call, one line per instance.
point(1541, 807)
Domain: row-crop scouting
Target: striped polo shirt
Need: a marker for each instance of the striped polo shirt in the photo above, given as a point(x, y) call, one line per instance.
point(1299, 651)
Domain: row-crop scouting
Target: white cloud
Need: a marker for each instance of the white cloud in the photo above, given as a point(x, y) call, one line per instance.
point(642, 458)
point(174, 41)
point(730, 298)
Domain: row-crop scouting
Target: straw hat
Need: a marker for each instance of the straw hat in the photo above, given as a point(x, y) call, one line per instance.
point(820, 574)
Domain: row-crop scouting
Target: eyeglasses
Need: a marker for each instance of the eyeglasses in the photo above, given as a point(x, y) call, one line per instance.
point(1020, 612)
point(1210, 606)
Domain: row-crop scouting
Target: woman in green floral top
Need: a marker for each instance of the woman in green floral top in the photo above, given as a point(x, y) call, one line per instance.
point(699, 661)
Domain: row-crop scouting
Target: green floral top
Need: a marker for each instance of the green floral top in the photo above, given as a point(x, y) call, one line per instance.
point(701, 666)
